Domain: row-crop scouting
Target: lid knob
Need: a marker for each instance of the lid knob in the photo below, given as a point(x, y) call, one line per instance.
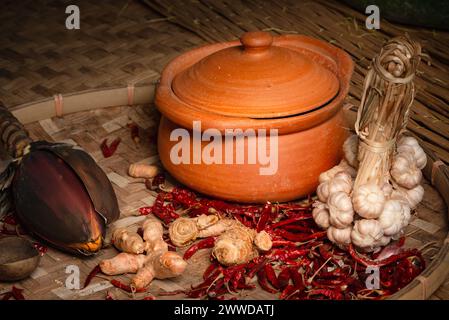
point(256, 41)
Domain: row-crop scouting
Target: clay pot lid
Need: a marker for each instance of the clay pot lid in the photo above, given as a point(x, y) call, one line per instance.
point(256, 79)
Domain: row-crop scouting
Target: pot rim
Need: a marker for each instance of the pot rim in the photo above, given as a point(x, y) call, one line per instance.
point(183, 114)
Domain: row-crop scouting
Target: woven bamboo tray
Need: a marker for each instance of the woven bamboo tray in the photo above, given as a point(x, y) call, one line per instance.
point(86, 118)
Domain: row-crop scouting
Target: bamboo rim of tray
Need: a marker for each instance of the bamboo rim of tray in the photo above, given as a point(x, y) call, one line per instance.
point(436, 172)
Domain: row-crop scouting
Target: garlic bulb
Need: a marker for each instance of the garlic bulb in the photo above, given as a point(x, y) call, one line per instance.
point(411, 196)
point(320, 214)
point(343, 166)
point(323, 191)
point(404, 170)
point(341, 213)
point(382, 242)
point(368, 200)
point(387, 189)
point(183, 231)
point(350, 150)
point(339, 236)
point(342, 181)
point(366, 233)
point(406, 144)
point(395, 216)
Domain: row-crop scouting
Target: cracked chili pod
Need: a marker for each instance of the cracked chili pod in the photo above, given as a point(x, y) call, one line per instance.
point(62, 196)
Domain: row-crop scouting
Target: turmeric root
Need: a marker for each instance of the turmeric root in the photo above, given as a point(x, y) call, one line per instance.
point(140, 170)
point(160, 265)
point(152, 234)
point(127, 241)
point(123, 263)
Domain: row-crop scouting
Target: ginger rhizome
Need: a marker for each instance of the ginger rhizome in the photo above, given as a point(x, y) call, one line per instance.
point(158, 262)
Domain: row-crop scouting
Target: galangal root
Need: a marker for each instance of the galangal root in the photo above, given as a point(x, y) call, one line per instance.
point(240, 244)
point(140, 170)
point(158, 262)
point(235, 244)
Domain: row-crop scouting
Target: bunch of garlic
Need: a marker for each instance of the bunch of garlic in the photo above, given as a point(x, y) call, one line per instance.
point(370, 215)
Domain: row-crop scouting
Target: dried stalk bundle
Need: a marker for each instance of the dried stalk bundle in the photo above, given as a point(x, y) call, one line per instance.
point(375, 207)
point(388, 94)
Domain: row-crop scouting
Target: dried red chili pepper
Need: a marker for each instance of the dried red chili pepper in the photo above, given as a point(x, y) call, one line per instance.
point(7, 295)
point(283, 255)
point(284, 278)
point(389, 250)
point(118, 284)
point(91, 275)
point(134, 131)
point(9, 219)
point(262, 280)
point(288, 221)
point(109, 150)
point(144, 211)
point(379, 263)
point(149, 298)
point(218, 289)
point(237, 280)
point(109, 296)
point(165, 213)
point(17, 293)
point(255, 266)
point(203, 244)
point(271, 276)
point(40, 248)
point(287, 292)
point(297, 278)
point(213, 266)
point(332, 294)
point(184, 197)
point(298, 228)
point(264, 217)
point(171, 293)
point(283, 243)
point(158, 180)
point(298, 237)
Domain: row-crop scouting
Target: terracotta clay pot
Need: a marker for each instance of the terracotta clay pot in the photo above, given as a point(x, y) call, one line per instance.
point(293, 84)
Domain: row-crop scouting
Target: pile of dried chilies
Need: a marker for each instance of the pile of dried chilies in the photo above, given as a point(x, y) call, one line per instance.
point(302, 264)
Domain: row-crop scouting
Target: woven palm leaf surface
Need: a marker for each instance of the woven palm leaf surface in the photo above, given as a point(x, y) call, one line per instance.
point(122, 42)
